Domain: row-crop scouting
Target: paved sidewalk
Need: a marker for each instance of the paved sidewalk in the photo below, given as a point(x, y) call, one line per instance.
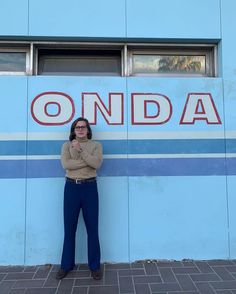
point(144, 277)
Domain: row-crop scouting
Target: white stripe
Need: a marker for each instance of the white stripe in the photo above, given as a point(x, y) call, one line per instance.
point(111, 156)
point(230, 134)
point(42, 157)
point(204, 155)
point(120, 156)
point(15, 157)
point(60, 136)
point(110, 135)
point(120, 135)
point(12, 136)
point(175, 135)
point(29, 157)
point(228, 155)
point(65, 136)
point(48, 136)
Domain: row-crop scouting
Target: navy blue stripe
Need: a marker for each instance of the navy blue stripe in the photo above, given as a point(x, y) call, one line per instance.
point(178, 146)
point(177, 167)
point(231, 166)
point(164, 167)
point(125, 167)
point(12, 169)
point(44, 169)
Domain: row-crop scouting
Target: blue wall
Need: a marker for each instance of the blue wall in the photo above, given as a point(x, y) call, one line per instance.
point(229, 82)
point(187, 19)
point(166, 191)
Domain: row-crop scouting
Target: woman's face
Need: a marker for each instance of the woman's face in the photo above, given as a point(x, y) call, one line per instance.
point(81, 130)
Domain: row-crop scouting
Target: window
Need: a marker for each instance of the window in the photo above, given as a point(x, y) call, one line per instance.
point(172, 62)
point(14, 61)
point(79, 62)
point(107, 59)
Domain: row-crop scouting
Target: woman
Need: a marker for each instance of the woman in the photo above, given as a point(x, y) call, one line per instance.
point(80, 157)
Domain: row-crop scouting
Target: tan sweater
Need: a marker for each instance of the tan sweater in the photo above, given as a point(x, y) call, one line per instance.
point(81, 164)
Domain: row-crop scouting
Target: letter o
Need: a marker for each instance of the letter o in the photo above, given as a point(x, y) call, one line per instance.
point(64, 102)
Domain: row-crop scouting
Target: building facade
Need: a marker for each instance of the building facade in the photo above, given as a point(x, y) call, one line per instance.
point(157, 81)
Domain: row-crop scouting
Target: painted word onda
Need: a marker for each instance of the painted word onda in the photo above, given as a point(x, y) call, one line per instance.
point(57, 108)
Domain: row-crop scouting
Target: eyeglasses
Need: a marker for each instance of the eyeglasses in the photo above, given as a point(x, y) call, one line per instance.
point(80, 127)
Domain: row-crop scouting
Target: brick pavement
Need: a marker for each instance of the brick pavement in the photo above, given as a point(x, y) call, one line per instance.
point(144, 277)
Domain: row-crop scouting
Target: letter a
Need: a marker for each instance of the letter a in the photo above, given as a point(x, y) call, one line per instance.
point(200, 106)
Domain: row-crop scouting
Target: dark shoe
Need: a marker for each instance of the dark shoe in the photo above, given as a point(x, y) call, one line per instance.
point(96, 275)
point(61, 274)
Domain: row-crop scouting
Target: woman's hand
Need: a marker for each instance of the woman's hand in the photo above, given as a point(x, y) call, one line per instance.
point(76, 145)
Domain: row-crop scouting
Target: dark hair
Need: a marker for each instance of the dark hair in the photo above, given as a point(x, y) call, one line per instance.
point(72, 128)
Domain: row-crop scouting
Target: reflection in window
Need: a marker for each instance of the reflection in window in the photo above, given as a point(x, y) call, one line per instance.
point(12, 61)
point(169, 64)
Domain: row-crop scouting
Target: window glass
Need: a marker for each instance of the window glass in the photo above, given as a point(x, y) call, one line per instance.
point(80, 63)
point(12, 61)
point(169, 64)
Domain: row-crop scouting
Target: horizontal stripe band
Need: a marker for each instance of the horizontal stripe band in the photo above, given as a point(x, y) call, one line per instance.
point(180, 146)
point(121, 135)
point(199, 155)
point(124, 167)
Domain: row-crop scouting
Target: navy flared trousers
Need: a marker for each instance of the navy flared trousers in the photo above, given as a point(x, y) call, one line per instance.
point(80, 196)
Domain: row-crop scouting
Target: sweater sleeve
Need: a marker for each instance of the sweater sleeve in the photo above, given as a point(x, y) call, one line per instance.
point(67, 161)
point(93, 160)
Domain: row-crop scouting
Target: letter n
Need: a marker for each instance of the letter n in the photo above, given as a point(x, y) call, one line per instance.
point(113, 114)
